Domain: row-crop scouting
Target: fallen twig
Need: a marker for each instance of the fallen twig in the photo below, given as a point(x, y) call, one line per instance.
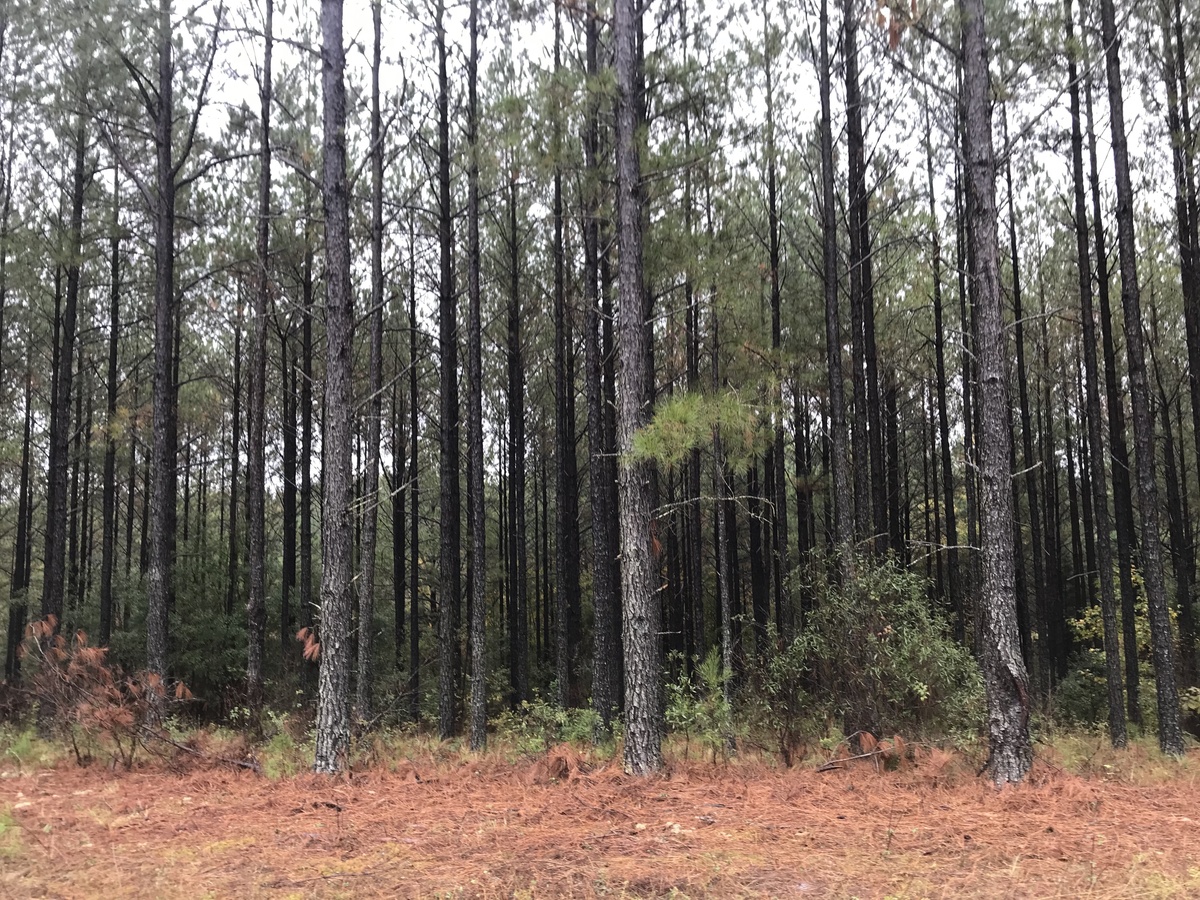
point(293, 882)
point(251, 764)
point(837, 763)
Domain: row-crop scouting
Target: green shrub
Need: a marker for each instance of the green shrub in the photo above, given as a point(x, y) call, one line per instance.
point(873, 655)
point(538, 725)
point(1081, 698)
point(699, 708)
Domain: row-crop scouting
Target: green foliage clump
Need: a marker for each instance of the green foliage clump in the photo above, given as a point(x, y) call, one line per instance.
point(283, 756)
point(875, 656)
point(686, 421)
point(537, 725)
point(21, 746)
point(697, 707)
point(1081, 698)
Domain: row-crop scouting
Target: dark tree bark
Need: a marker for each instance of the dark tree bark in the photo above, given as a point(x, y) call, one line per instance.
point(1122, 500)
point(1186, 577)
point(1005, 680)
point(256, 458)
point(18, 597)
point(606, 677)
point(970, 469)
point(414, 626)
point(859, 438)
point(53, 579)
point(1080, 568)
point(843, 539)
point(518, 548)
point(953, 591)
point(1170, 736)
point(643, 689)
point(760, 603)
point(6, 193)
point(449, 555)
point(1175, 528)
point(1174, 58)
point(132, 479)
point(232, 588)
point(109, 502)
point(306, 432)
point(333, 705)
point(776, 455)
point(399, 506)
point(364, 707)
point(163, 481)
point(478, 736)
point(566, 521)
point(1040, 657)
point(693, 553)
point(288, 404)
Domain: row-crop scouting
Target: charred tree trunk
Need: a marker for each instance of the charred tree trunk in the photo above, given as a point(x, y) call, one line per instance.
point(232, 591)
point(566, 524)
point(18, 598)
point(364, 707)
point(518, 546)
point(414, 616)
point(478, 725)
point(1005, 679)
point(776, 455)
point(1122, 499)
point(843, 535)
point(954, 595)
point(109, 502)
point(288, 404)
point(54, 577)
point(1170, 735)
point(606, 678)
point(256, 460)
point(449, 553)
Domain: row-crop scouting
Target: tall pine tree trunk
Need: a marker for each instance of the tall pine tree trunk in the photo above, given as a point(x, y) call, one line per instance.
point(109, 502)
point(953, 589)
point(414, 616)
point(333, 705)
point(1041, 673)
point(18, 596)
point(843, 535)
point(643, 689)
point(54, 577)
point(364, 707)
point(606, 676)
point(1005, 680)
point(1122, 500)
point(478, 724)
point(256, 460)
point(449, 553)
point(1170, 736)
point(566, 524)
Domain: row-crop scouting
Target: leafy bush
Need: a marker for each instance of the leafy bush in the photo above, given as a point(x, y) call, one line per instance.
point(1082, 696)
point(875, 656)
point(537, 725)
point(700, 708)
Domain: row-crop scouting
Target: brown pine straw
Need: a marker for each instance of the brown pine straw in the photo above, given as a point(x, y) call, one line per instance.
point(565, 825)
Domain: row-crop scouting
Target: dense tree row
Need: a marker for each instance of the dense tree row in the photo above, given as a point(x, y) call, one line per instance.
point(503, 351)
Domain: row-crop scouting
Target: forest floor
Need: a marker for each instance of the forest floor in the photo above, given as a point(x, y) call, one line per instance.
point(441, 824)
